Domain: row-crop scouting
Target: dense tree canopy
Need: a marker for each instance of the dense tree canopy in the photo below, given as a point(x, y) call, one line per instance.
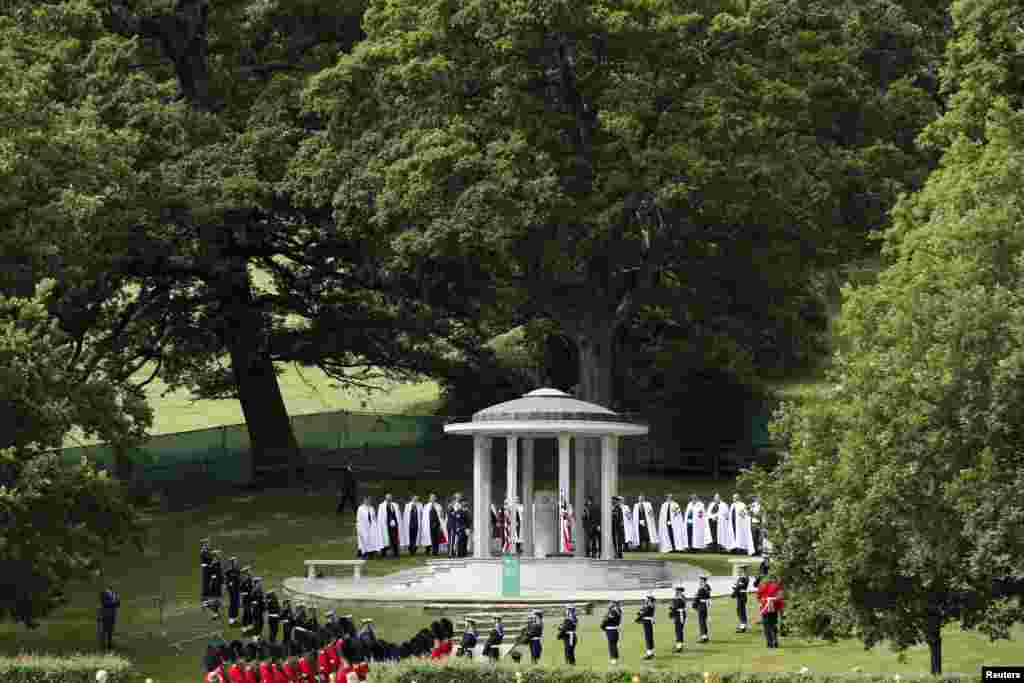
point(898, 507)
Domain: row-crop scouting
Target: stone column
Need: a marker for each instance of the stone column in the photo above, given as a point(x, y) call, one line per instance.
point(512, 469)
point(609, 488)
point(481, 496)
point(564, 443)
point(528, 521)
point(581, 540)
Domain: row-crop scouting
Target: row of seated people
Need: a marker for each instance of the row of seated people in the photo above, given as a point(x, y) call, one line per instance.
point(334, 653)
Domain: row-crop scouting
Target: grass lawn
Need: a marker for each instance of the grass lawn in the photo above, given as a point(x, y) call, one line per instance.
point(275, 531)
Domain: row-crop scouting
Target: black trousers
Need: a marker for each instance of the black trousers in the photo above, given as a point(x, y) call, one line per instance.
point(492, 652)
point(463, 545)
point(434, 547)
point(702, 619)
point(741, 610)
point(649, 634)
point(392, 545)
point(246, 612)
point(613, 643)
point(286, 635)
point(107, 633)
point(713, 523)
point(233, 601)
point(619, 542)
point(570, 651)
point(536, 648)
point(414, 534)
point(593, 543)
point(770, 622)
point(273, 623)
point(689, 536)
point(645, 538)
point(346, 496)
point(679, 625)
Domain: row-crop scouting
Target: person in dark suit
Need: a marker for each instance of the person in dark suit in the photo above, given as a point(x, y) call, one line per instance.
point(109, 604)
point(347, 490)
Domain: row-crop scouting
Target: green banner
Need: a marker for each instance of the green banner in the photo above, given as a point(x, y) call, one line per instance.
point(510, 577)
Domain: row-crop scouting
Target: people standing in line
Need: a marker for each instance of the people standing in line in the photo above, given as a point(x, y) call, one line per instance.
point(347, 490)
point(592, 529)
point(107, 617)
point(702, 604)
point(433, 526)
point(287, 623)
point(629, 538)
point(450, 526)
point(367, 534)
point(618, 527)
point(769, 594)
point(273, 615)
point(463, 525)
point(677, 613)
point(740, 516)
point(388, 531)
point(739, 593)
point(257, 607)
point(645, 527)
point(611, 625)
point(245, 591)
point(671, 532)
point(646, 620)
point(233, 580)
point(216, 586)
point(567, 634)
point(411, 524)
point(756, 531)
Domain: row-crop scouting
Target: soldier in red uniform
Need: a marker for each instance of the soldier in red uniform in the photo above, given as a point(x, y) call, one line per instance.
point(266, 673)
point(333, 661)
point(252, 673)
point(323, 663)
point(290, 671)
point(235, 674)
point(306, 668)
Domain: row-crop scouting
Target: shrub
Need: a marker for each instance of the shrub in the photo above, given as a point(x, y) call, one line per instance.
point(35, 668)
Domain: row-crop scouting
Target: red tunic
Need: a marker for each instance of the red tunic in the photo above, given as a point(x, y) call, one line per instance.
point(290, 673)
point(305, 670)
point(770, 590)
point(323, 662)
point(446, 647)
point(235, 674)
point(333, 661)
point(277, 674)
point(252, 675)
point(266, 674)
point(362, 670)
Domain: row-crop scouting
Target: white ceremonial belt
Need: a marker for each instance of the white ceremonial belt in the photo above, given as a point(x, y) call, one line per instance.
point(649, 618)
point(536, 638)
point(612, 628)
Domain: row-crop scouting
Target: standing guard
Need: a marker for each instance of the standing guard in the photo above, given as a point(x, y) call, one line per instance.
point(495, 639)
point(469, 640)
point(535, 634)
point(646, 619)
point(216, 587)
point(245, 590)
point(257, 607)
point(677, 613)
point(618, 527)
point(611, 625)
point(287, 623)
point(591, 529)
point(739, 592)
point(567, 634)
point(107, 617)
point(233, 580)
point(702, 603)
point(273, 615)
point(205, 562)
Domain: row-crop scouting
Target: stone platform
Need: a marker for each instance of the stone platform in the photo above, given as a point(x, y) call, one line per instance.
point(478, 582)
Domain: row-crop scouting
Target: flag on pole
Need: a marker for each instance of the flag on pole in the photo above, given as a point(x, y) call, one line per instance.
point(566, 522)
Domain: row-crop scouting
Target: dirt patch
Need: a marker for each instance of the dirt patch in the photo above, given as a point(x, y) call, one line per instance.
point(767, 664)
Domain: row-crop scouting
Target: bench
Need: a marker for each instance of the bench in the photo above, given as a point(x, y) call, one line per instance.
point(312, 573)
point(744, 562)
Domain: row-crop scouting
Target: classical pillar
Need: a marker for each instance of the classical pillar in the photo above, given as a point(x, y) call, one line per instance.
point(528, 521)
point(609, 488)
point(512, 469)
point(581, 540)
point(481, 496)
point(564, 442)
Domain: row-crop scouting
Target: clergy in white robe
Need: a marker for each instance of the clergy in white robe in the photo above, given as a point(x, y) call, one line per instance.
point(411, 516)
point(630, 528)
point(645, 527)
point(697, 524)
point(743, 539)
point(389, 526)
point(432, 526)
point(675, 513)
point(719, 513)
point(666, 529)
point(367, 534)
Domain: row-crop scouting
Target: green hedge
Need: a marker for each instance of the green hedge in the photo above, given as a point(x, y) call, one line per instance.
point(471, 672)
point(33, 668)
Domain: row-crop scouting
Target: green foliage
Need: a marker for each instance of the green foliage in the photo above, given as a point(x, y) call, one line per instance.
point(82, 668)
point(58, 521)
point(467, 672)
point(897, 509)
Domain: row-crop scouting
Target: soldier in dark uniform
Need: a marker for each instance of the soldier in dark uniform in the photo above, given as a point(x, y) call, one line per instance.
point(216, 586)
point(618, 527)
point(107, 617)
point(435, 525)
point(462, 525)
point(611, 625)
point(535, 634)
point(592, 529)
point(567, 634)
point(205, 560)
point(347, 490)
point(646, 619)
point(450, 530)
point(702, 603)
point(273, 615)
point(233, 581)
point(257, 607)
point(677, 613)
point(495, 639)
point(245, 591)
point(739, 593)
point(287, 623)
point(469, 640)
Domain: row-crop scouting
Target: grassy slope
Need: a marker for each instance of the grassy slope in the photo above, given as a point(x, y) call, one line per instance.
point(275, 531)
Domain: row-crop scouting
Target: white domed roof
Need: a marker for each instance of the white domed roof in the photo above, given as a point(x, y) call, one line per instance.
point(546, 404)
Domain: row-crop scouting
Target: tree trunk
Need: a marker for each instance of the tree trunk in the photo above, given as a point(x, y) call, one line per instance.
point(935, 647)
point(266, 417)
point(596, 364)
